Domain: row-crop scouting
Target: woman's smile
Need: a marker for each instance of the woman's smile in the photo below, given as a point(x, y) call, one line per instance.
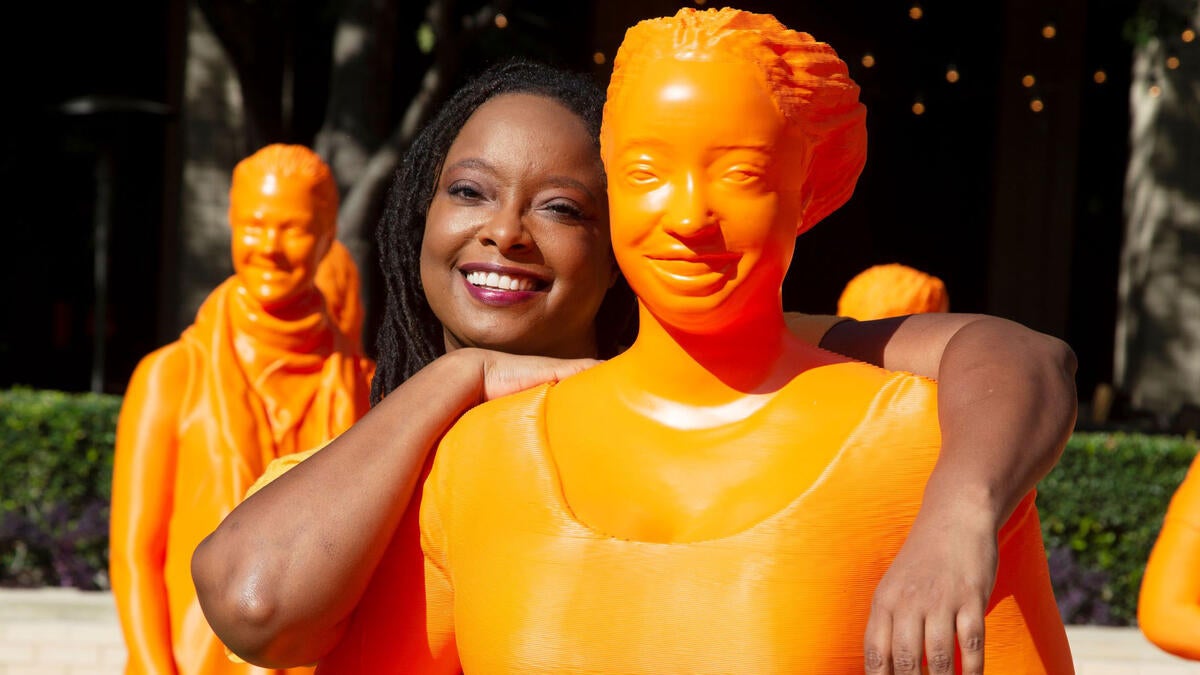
point(501, 286)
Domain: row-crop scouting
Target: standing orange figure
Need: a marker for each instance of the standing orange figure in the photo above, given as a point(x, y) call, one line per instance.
point(1169, 603)
point(884, 291)
point(649, 515)
point(264, 371)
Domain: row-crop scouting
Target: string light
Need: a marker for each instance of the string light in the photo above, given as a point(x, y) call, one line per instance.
point(1172, 62)
point(501, 21)
point(1036, 105)
point(868, 60)
point(918, 108)
point(952, 74)
point(1155, 91)
point(915, 12)
point(598, 58)
point(1099, 76)
point(1049, 31)
point(1188, 35)
point(1028, 81)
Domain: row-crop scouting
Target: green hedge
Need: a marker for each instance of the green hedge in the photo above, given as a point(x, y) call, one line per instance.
point(1101, 506)
point(1101, 509)
point(55, 484)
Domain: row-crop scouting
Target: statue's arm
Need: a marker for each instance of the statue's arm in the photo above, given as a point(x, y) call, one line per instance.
point(142, 500)
point(1169, 603)
point(1006, 407)
point(280, 577)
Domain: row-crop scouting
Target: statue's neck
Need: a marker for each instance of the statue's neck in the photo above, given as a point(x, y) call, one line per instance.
point(302, 327)
point(710, 367)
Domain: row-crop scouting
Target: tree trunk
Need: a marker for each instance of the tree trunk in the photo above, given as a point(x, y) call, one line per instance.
point(212, 126)
point(1157, 354)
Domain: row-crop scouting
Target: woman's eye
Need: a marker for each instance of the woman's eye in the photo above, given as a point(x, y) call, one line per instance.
point(565, 209)
point(464, 191)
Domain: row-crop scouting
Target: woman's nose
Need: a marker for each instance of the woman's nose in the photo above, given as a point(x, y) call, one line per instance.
point(687, 211)
point(506, 231)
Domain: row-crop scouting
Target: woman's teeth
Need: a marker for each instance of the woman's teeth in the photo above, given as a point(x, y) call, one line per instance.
point(500, 281)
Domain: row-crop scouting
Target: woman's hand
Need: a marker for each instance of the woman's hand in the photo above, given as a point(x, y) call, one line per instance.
point(936, 590)
point(503, 374)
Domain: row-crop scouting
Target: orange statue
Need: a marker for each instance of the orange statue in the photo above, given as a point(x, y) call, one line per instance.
point(884, 291)
point(1169, 603)
point(264, 371)
point(337, 279)
point(651, 514)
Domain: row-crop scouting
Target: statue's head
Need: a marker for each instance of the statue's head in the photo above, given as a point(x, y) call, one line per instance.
point(725, 135)
point(283, 210)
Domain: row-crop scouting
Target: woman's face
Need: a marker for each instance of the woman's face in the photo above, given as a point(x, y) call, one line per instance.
point(516, 255)
point(704, 189)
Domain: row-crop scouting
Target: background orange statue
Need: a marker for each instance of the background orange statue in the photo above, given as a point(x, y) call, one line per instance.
point(338, 281)
point(652, 514)
point(884, 291)
point(264, 371)
point(1169, 603)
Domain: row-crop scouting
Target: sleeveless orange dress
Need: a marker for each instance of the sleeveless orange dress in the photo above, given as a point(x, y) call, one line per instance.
point(515, 583)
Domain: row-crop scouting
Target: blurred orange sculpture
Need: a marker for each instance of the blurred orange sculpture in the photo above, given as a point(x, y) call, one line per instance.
point(264, 371)
point(650, 514)
point(1169, 604)
point(884, 291)
point(338, 281)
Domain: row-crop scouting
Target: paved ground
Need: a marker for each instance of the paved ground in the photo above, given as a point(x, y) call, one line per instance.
point(67, 632)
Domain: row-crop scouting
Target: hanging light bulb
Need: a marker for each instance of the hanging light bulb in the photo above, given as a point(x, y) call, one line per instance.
point(1188, 35)
point(1028, 81)
point(501, 21)
point(1036, 105)
point(1049, 31)
point(915, 12)
point(1172, 62)
point(1099, 77)
point(918, 108)
point(952, 74)
point(868, 60)
point(598, 58)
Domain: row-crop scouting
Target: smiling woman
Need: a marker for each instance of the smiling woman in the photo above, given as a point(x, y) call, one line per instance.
point(516, 254)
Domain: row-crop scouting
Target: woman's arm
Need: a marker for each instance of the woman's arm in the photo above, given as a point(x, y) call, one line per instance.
point(142, 500)
point(1007, 405)
point(1169, 603)
point(280, 576)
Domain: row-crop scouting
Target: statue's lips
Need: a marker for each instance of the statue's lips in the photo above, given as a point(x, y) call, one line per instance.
point(694, 265)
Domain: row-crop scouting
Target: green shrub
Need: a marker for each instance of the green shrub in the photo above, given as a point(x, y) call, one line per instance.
point(56, 451)
point(1101, 509)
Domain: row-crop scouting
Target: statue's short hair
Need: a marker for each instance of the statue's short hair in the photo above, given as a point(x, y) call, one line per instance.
point(295, 163)
point(807, 81)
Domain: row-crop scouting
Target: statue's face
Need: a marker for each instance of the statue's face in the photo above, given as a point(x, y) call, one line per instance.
point(278, 240)
point(703, 190)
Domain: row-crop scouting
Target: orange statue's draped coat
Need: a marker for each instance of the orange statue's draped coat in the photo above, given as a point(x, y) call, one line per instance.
point(202, 432)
